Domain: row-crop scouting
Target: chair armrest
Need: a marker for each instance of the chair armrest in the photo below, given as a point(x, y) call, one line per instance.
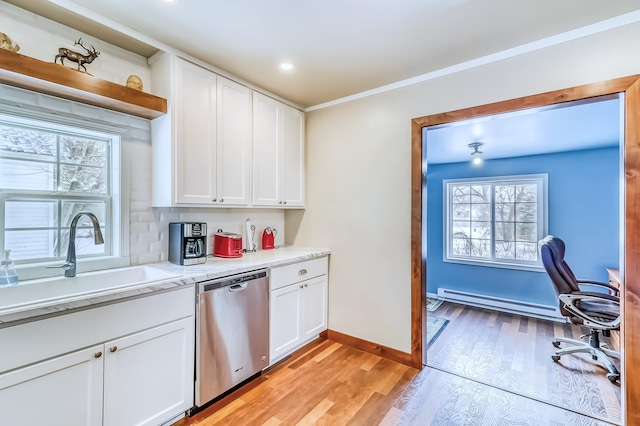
point(612, 289)
point(594, 295)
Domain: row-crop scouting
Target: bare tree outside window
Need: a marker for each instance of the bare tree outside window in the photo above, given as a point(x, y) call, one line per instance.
point(497, 219)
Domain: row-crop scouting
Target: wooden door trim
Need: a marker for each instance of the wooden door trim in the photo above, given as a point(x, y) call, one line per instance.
point(630, 86)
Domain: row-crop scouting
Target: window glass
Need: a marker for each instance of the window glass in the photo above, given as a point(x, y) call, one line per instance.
point(48, 174)
point(495, 220)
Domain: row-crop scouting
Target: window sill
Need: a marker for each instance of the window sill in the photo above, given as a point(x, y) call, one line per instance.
point(500, 265)
point(41, 270)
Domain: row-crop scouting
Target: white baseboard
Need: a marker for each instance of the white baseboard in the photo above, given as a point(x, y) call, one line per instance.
point(511, 306)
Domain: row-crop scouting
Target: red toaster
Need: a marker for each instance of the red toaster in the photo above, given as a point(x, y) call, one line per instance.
point(227, 244)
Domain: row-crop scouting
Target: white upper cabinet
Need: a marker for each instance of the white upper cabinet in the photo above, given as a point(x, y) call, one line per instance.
point(266, 151)
point(233, 143)
point(201, 147)
point(278, 154)
point(195, 134)
point(293, 157)
point(222, 144)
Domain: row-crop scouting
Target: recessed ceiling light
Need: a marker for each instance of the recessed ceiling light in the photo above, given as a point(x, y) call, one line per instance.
point(287, 66)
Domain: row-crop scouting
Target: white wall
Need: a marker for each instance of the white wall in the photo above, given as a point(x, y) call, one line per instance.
point(40, 38)
point(358, 173)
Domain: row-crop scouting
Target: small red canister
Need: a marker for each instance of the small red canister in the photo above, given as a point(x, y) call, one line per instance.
point(268, 238)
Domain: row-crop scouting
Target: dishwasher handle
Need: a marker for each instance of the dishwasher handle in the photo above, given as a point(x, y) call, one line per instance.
point(235, 281)
point(238, 287)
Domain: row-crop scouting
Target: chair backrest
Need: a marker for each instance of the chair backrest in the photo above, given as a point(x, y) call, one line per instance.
point(552, 253)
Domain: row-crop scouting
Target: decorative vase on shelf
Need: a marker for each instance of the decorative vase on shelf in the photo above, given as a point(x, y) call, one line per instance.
point(8, 44)
point(134, 82)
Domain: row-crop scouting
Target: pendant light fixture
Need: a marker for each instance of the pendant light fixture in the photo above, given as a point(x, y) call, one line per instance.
point(476, 154)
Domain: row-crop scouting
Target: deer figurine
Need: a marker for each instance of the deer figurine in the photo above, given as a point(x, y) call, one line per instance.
point(79, 58)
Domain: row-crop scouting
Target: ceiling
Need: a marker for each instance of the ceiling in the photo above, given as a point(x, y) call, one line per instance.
point(339, 47)
point(589, 124)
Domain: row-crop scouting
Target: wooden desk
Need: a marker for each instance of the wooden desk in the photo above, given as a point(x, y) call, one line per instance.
point(614, 280)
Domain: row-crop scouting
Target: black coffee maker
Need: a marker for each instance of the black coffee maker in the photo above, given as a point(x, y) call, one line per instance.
point(187, 243)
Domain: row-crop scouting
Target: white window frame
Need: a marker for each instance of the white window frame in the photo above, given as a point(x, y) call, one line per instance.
point(541, 180)
point(117, 203)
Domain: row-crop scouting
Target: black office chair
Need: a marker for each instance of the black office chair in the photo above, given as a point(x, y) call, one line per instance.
point(597, 311)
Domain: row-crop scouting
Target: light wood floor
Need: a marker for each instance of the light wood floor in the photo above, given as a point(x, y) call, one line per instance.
point(327, 383)
point(513, 353)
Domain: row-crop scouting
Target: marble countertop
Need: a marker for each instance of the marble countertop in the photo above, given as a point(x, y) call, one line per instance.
point(179, 276)
point(217, 267)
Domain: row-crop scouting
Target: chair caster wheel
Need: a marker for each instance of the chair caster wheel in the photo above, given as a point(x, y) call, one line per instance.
point(556, 358)
point(594, 357)
point(613, 377)
point(556, 344)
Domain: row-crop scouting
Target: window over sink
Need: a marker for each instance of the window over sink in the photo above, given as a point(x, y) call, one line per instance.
point(48, 173)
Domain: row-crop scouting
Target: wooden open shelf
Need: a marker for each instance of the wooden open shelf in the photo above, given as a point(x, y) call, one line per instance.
point(58, 80)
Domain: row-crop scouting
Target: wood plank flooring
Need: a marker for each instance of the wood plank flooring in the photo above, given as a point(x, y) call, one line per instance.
point(513, 353)
point(327, 383)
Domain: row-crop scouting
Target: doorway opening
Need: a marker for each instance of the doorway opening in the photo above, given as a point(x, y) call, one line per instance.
point(628, 89)
point(552, 170)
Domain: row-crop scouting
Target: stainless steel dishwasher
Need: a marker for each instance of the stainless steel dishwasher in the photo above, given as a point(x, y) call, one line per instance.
point(232, 332)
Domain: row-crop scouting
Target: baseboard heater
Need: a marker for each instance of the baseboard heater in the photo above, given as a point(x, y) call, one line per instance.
point(518, 307)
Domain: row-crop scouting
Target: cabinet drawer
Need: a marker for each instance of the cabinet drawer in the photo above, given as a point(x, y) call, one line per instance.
point(296, 272)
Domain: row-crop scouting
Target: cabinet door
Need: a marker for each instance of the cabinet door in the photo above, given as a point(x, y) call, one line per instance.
point(233, 143)
point(314, 307)
point(285, 309)
point(266, 151)
point(149, 375)
point(195, 156)
point(293, 171)
point(61, 391)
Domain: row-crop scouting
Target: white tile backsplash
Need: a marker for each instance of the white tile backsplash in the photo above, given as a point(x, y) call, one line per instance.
point(149, 226)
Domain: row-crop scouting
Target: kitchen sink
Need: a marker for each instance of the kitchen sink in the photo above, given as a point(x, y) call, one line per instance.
point(49, 291)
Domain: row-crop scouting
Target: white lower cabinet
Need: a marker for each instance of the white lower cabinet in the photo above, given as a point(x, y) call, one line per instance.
point(66, 390)
point(136, 367)
point(146, 376)
point(286, 320)
point(314, 307)
point(298, 306)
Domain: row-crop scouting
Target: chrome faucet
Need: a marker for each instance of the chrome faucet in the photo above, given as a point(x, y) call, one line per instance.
point(70, 264)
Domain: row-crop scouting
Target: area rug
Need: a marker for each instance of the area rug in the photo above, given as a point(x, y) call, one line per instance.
point(433, 304)
point(435, 326)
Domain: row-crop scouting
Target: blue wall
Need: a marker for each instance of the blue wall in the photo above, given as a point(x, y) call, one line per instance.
point(583, 211)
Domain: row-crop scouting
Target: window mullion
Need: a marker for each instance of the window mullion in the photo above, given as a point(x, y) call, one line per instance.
point(2, 219)
point(493, 221)
point(58, 252)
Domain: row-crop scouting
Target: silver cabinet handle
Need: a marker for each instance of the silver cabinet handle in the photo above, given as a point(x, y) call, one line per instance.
point(306, 285)
point(222, 200)
point(302, 271)
point(214, 200)
point(301, 286)
point(284, 202)
point(97, 354)
point(279, 202)
point(113, 349)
